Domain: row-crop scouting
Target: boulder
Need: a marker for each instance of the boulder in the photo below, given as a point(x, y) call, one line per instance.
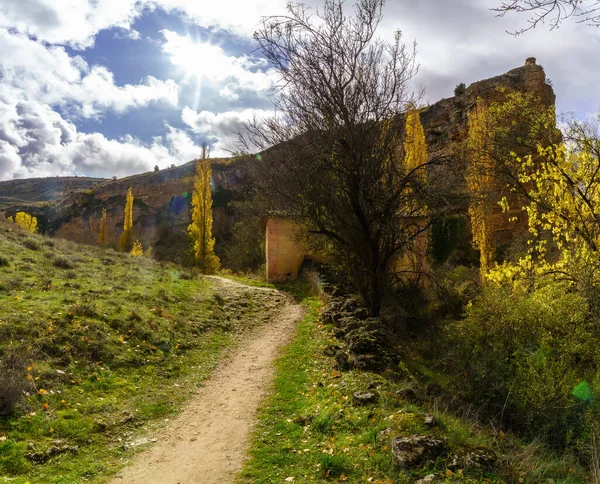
point(413, 450)
point(383, 434)
point(365, 341)
point(349, 323)
point(361, 313)
point(349, 306)
point(364, 398)
point(374, 363)
point(55, 449)
point(429, 420)
point(342, 361)
point(475, 459)
point(428, 479)
point(410, 395)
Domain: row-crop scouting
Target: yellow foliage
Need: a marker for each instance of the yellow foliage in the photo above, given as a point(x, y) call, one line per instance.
point(200, 229)
point(562, 181)
point(415, 147)
point(137, 249)
point(479, 183)
point(102, 235)
point(415, 151)
point(26, 221)
point(126, 240)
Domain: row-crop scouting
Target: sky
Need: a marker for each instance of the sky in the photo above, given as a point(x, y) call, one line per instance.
point(115, 87)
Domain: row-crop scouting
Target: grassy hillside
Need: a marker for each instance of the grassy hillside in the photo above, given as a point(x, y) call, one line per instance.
point(97, 348)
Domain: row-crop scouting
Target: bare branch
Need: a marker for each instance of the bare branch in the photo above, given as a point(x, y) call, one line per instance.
point(553, 12)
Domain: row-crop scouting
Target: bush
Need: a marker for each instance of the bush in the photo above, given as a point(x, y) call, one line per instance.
point(532, 359)
point(63, 263)
point(13, 383)
point(460, 89)
point(4, 262)
point(32, 244)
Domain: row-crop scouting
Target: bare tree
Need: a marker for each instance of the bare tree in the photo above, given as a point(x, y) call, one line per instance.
point(333, 156)
point(552, 11)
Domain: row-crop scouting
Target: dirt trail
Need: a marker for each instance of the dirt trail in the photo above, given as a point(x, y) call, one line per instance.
point(207, 442)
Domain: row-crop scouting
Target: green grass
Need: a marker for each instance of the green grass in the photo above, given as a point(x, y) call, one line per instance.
point(106, 346)
point(309, 429)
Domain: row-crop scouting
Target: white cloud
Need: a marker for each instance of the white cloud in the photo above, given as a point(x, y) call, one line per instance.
point(33, 71)
point(76, 22)
point(37, 141)
point(73, 22)
point(221, 128)
point(210, 63)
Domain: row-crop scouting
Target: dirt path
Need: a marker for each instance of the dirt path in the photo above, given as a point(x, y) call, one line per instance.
point(207, 442)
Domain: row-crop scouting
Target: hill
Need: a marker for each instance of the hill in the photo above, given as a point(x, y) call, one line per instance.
point(24, 192)
point(95, 345)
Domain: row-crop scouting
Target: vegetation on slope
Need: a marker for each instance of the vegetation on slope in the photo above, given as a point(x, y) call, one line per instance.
point(94, 345)
point(312, 429)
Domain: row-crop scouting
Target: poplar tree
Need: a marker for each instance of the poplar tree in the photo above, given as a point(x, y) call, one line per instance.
point(102, 236)
point(415, 147)
point(415, 153)
point(200, 229)
point(126, 240)
point(479, 183)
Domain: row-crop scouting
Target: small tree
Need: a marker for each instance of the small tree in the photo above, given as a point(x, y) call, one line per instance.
point(126, 240)
point(28, 222)
point(137, 250)
point(460, 89)
point(200, 229)
point(102, 235)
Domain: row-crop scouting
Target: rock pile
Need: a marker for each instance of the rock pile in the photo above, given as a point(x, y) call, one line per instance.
point(365, 343)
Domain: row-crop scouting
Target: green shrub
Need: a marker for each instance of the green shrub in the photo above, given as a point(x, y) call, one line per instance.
point(32, 244)
point(531, 359)
point(13, 383)
point(4, 262)
point(63, 263)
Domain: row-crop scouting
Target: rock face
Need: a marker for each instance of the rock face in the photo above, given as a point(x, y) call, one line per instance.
point(445, 122)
